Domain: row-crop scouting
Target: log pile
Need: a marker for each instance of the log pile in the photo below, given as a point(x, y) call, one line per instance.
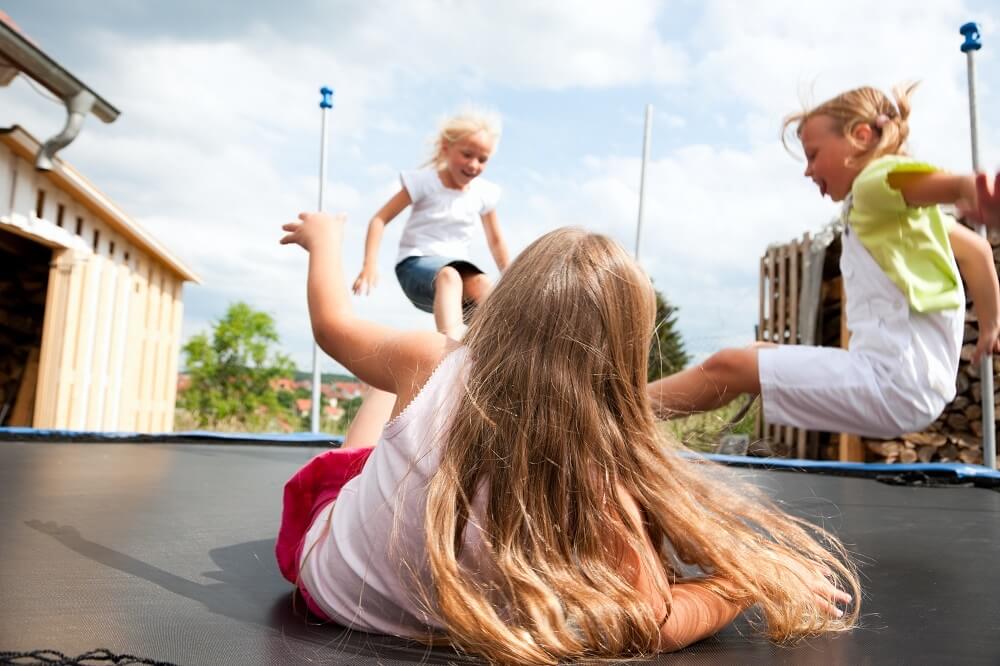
point(23, 283)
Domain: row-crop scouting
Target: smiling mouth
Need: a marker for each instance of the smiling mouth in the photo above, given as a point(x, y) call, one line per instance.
point(822, 188)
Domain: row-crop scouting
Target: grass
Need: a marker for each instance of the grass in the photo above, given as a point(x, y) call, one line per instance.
point(701, 432)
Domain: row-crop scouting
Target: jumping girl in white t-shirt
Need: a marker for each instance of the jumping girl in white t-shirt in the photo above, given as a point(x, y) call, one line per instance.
point(447, 197)
point(433, 264)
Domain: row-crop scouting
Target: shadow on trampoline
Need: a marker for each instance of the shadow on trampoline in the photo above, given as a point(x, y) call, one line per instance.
point(242, 590)
point(241, 586)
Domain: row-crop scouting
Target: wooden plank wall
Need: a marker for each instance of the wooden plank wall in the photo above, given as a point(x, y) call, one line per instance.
point(780, 281)
point(111, 335)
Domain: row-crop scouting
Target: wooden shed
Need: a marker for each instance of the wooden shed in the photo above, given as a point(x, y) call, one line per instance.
point(90, 304)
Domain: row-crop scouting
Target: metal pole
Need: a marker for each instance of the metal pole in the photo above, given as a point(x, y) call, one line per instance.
point(642, 175)
point(325, 103)
point(971, 44)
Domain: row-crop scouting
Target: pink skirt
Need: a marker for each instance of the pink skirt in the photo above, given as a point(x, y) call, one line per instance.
point(311, 489)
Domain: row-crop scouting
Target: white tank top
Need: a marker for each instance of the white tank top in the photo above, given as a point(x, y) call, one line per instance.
point(366, 564)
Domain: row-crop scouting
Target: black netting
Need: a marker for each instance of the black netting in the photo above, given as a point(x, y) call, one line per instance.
point(100, 657)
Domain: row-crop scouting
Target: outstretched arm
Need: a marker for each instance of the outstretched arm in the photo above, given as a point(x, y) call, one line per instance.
point(972, 195)
point(383, 357)
point(975, 261)
point(368, 277)
point(688, 612)
point(697, 609)
point(498, 248)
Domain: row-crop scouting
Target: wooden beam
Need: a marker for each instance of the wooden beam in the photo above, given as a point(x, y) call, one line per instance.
point(53, 339)
point(24, 404)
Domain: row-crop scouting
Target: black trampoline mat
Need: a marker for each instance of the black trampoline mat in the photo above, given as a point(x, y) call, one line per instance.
point(165, 551)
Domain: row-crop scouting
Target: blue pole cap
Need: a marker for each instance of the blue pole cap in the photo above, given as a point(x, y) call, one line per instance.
point(327, 93)
point(971, 33)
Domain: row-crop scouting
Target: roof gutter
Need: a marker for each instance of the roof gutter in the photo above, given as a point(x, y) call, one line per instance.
point(78, 106)
point(75, 95)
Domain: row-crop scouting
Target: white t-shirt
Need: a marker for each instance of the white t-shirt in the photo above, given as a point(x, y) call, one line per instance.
point(442, 219)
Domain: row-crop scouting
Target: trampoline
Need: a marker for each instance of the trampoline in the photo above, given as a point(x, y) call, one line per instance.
point(163, 549)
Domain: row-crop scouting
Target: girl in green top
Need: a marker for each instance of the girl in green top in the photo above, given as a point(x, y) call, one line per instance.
point(901, 264)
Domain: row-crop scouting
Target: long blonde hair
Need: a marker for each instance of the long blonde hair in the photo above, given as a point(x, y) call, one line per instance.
point(866, 105)
point(454, 128)
point(553, 419)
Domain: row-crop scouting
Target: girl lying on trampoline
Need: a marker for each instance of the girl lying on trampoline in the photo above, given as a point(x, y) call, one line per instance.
point(905, 300)
point(521, 503)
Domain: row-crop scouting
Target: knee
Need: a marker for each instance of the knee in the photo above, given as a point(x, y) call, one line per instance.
point(723, 363)
point(477, 287)
point(917, 420)
point(447, 277)
point(734, 368)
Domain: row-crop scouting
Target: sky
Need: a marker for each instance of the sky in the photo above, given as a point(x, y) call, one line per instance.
point(218, 139)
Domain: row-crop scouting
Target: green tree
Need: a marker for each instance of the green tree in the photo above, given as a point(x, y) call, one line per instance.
point(231, 371)
point(351, 408)
point(667, 354)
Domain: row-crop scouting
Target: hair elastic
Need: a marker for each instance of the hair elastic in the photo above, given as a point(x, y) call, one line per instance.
point(880, 120)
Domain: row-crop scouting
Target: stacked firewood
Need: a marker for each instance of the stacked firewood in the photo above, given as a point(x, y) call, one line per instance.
point(957, 435)
point(22, 309)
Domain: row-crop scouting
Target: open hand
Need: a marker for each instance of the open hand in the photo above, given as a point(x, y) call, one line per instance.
point(828, 596)
point(313, 228)
point(989, 341)
point(366, 281)
point(985, 208)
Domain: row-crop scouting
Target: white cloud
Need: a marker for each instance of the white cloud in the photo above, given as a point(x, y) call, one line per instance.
point(767, 57)
point(710, 214)
point(524, 44)
point(218, 140)
point(671, 120)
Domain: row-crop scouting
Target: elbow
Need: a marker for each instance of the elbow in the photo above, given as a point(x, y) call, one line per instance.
point(670, 642)
point(672, 639)
point(324, 332)
point(979, 244)
point(981, 255)
point(320, 337)
point(970, 250)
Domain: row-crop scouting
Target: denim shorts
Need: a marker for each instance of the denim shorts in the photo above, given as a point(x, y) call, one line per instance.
point(416, 277)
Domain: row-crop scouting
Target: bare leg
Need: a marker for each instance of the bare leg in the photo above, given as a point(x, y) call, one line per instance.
point(448, 303)
point(707, 386)
point(366, 428)
point(476, 287)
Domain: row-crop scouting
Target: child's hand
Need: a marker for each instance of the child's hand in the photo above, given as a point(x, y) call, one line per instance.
point(984, 205)
point(314, 228)
point(828, 596)
point(989, 341)
point(366, 281)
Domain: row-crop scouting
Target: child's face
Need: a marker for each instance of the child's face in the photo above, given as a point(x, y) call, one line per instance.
point(827, 154)
point(466, 158)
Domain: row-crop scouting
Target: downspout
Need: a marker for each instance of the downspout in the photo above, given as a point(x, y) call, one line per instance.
point(77, 106)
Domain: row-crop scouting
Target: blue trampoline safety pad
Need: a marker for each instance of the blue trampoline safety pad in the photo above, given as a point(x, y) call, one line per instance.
point(909, 474)
point(959, 472)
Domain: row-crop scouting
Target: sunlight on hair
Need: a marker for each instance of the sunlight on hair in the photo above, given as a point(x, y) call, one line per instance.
point(866, 105)
point(468, 120)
